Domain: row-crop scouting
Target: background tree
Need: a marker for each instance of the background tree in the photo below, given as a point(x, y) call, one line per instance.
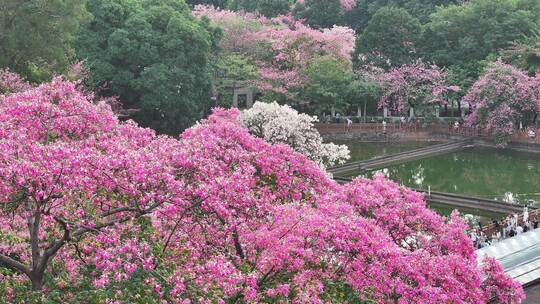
point(154, 56)
point(234, 71)
point(461, 34)
point(216, 3)
point(359, 16)
point(525, 54)
point(390, 39)
point(36, 36)
point(327, 84)
point(319, 13)
point(364, 93)
point(268, 8)
point(418, 86)
point(501, 98)
point(281, 49)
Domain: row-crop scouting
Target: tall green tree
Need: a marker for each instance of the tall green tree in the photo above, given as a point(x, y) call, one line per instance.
point(36, 36)
point(328, 84)
point(461, 34)
point(363, 94)
point(359, 16)
point(154, 55)
point(320, 13)
point(390, 38)
point(232, 72)
point(525, 54)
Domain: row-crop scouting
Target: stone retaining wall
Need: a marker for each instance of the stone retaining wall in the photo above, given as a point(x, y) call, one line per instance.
point(395, 133)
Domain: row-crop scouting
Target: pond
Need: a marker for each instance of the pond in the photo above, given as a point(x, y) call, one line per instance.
point(363, 151)
point(485, 172)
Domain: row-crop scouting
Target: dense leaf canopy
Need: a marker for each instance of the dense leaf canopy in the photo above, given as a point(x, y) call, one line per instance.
point(154, 55)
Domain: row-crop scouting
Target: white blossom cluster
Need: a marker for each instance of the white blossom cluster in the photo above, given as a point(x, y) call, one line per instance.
point(282, 124)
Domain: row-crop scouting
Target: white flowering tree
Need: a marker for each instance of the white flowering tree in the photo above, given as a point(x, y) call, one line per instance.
point(282, 124)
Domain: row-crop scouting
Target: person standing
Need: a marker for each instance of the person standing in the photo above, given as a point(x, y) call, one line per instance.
point(535, 221)
point(349, 123)
point(474, 239)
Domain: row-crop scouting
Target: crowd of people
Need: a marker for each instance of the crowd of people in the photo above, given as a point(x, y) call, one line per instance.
point(508, 227)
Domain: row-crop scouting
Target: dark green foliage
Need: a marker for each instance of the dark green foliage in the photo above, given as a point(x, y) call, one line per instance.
point(154, 55)
point(36, 36)
point(216, 3)
point(461, 34)
point(320, 13)
point(525, 54)
point(328, 84)
point(269, 8)
point(358, 17)
point(390, 38)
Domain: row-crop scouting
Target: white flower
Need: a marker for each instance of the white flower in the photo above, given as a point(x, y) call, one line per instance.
point(283, 124)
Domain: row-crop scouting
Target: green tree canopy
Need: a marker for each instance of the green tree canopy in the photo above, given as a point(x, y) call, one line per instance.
point(233, 71)
point(154, 55)
point(358, 17)
point(269, 8)
point(328, 86)
point(216, 3)
point(36, 36)
point(461, 34)
point(320, 13)
point(389, 39)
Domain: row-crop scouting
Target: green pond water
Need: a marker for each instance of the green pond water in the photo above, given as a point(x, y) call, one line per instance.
point(485, 172)
point(363, 151)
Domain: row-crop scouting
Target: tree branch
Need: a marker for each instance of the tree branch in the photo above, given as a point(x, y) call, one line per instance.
point(15, 265)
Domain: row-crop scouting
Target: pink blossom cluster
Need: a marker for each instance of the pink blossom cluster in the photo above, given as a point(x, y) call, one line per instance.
point(280, 47)
point(497, 285)
point(413, 85)
point(502, 98)
point(11, 82)
point(215, 216)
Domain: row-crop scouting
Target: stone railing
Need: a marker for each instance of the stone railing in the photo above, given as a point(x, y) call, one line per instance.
point(395, 128)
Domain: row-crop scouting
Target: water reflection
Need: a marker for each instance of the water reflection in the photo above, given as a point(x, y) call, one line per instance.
point(492, 173)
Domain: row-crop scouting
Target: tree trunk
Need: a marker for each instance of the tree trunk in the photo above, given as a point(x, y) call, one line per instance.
point(365, 111)
point(37, 281)
point(459, 107)
point(233, 90)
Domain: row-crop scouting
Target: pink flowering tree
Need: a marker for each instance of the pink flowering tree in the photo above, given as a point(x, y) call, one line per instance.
point(418, 86)
point(11, 82)
point(70, 170)
point(215, 216)
point(497, 285)
point(281, 48)
point(501, 98)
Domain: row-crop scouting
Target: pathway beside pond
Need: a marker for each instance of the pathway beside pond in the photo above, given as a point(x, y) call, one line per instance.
point(382, 161)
